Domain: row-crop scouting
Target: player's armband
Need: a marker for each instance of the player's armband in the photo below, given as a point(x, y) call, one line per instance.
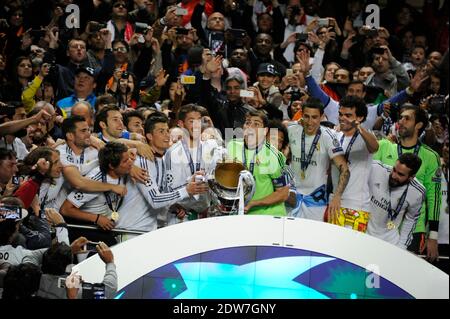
point(281, 181)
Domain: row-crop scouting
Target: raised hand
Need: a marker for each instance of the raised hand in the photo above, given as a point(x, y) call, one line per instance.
point(161, 78)
point(303, 58)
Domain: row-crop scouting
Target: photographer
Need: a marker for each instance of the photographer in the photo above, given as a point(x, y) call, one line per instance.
point(15, 255)
point(389, 73)
point(125, 90)
point(34, 231)
point(121, 23)
point(99, 42)
point(29, 93)
point(174, 50)
point(59, 257)
point(145, 53)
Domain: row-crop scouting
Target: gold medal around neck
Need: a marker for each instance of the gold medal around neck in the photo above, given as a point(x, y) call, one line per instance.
point(302, 175)
point(390, 225)
point(115, 216)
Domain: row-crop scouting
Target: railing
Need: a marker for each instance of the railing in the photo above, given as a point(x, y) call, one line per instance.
point(119, 231)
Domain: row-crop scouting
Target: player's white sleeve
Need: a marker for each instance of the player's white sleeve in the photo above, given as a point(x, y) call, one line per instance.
point(78, 198)
point(410, 219)
point(86, 168)
point(154, 197)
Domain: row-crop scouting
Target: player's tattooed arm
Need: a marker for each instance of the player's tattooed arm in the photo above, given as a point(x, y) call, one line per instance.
point(344, 174)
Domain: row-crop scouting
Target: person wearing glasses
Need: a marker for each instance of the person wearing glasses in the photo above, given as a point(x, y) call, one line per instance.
point(121, 23)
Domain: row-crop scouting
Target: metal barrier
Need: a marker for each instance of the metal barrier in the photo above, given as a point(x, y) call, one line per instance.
point(119, 231)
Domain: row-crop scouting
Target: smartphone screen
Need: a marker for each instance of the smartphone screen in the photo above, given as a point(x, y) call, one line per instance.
point(10, 212)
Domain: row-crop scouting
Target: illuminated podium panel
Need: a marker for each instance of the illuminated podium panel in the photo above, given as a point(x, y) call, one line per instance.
point(253, 257)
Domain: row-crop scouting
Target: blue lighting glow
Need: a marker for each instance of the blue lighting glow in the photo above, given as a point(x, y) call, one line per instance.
point(270, 278)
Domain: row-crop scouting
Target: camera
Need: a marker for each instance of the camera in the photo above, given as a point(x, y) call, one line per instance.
point(91, 246)
point(140, 27)
point(96, 26)
point(125, 75)
point(301, 37)
point(369, 31)
point(296, 95)
point(324, 22)
point(378, 50)
point(182, 31)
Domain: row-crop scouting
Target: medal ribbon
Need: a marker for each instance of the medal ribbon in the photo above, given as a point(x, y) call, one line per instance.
point(350, 144)
point(193, 168)
point(108, 199)
point(400, 149)
point(252, 163)
point(393, 215)
point(306, 161)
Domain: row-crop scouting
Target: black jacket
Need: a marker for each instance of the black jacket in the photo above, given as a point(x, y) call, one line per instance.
point(223, 113)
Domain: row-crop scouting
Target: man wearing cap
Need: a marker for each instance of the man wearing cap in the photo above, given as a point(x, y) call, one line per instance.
point(85, 83)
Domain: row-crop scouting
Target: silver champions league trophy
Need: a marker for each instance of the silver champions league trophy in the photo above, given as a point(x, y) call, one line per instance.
point(232, 187)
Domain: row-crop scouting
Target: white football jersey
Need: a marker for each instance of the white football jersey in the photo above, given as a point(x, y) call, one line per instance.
point(179, 171)
point(94, 203)
point(381, 196)
point(332, 113)
point(356, 195)
point(144, 202)
point(317, 172)
point(49, 194)
point(84, 162)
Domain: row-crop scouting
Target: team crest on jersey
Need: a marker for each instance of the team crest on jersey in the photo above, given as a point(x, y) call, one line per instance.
point(437, 176)
point(70, 158)
point(336, 143)
point(78, 196)
point(169, 178)
point(149, 182)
